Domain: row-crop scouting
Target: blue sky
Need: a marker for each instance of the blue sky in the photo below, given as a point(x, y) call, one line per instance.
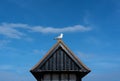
point(91, 30)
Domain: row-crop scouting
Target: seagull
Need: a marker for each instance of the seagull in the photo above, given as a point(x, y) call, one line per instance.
point(59, 37)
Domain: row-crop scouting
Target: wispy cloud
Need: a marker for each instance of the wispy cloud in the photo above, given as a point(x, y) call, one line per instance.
point(10, 31)
point(6, 67)
point(13, 30)
point(21, 3)
point(86, 17)
point(100, 62)
point(84, 55)
point(3, 43)
point(76, 28)
point(36, 51)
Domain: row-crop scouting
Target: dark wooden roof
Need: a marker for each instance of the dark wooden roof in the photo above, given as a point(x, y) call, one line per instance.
point(60, 59)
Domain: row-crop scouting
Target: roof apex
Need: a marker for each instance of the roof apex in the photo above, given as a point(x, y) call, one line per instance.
point(60, 43)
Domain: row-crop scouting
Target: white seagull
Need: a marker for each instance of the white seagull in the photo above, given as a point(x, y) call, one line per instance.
point(59, 37)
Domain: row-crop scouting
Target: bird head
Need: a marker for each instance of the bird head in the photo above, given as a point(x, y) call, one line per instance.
point(61, 34)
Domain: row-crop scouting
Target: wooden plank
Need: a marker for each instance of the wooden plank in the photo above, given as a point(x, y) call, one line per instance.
point(65, 61)
point(58, 58)
point(61, 60)
point(54, 61)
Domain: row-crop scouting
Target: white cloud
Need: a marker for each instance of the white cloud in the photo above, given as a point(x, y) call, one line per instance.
point(10, 31)
point(13, 30)
point(76, 28)
point(14, 25)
